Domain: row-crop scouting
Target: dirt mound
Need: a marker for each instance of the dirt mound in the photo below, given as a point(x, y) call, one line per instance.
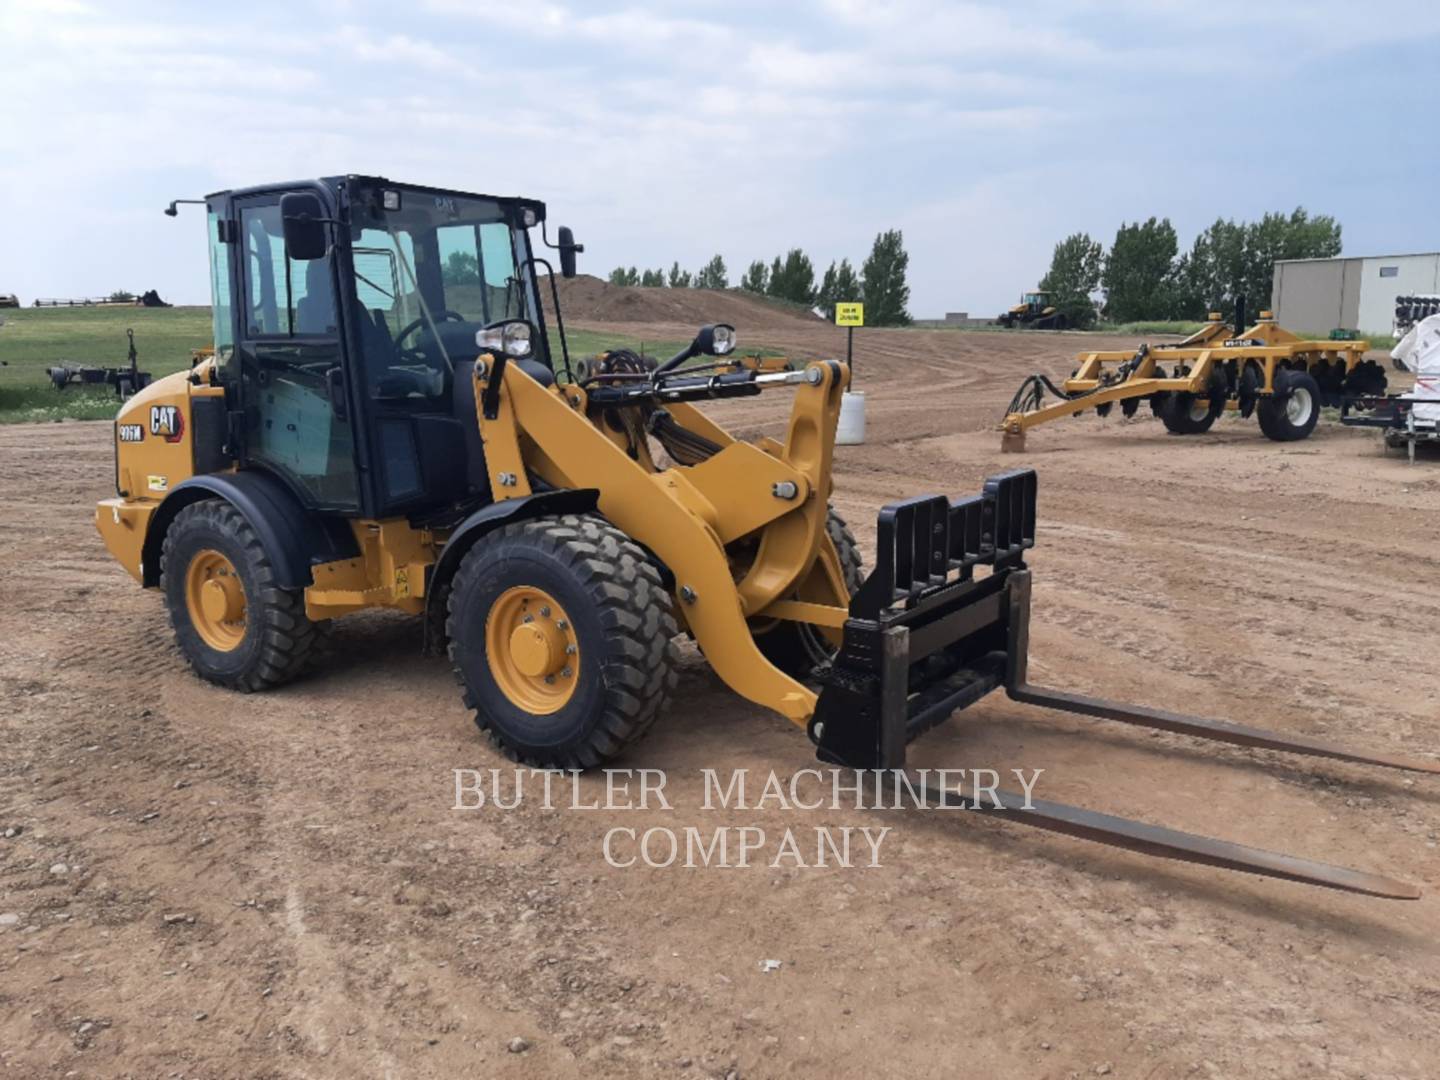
point(588, 299)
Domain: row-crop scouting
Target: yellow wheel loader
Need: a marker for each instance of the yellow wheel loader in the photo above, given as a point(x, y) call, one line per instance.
point(387, 422)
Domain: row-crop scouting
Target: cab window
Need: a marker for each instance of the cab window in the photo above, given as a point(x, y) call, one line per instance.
point(478, 272)
point(221, 328)
point(284, 298)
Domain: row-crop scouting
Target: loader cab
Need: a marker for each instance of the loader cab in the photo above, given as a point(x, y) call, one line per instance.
point(346, 352)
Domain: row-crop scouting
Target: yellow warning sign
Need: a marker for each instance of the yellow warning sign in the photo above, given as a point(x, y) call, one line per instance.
point(849, 314)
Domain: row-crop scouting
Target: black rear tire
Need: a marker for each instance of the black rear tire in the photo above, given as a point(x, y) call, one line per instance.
point(278, 642)
point(799, 648)
point(622, 625)
point(1291, 412)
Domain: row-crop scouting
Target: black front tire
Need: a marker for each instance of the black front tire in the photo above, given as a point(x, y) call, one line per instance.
point(623, 627)
point(279, 641)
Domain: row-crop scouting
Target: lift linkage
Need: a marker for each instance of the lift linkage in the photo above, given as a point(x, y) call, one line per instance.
point(925, 637)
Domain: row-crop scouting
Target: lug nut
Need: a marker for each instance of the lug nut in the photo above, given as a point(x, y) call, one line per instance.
point(567, 672)
point(561, 624)
point(688, 594)
point(570, 650)
point(545, 611)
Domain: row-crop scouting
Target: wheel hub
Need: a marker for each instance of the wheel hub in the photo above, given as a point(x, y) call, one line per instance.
point(215, 600)
point(532, 649)
point(537, 649)
point(1298, 406)
point(221, 599)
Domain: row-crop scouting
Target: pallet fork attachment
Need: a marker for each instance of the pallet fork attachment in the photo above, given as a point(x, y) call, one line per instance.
point(919, 645)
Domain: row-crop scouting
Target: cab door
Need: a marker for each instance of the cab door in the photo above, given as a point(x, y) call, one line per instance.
point(296, 414)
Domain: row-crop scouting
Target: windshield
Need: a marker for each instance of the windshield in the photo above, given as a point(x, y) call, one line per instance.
point(429, 272)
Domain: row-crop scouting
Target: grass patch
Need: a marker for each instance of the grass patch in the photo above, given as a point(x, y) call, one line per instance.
point(584, 343)
point(33, 339)
point(1158, 326)
point(39, 404)
point(1372, 341)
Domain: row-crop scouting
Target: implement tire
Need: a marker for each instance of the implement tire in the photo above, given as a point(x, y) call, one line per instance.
point(561, 634)
point(235, 625)
point(1291, 412)
point(799, 648)
point(1189, 414)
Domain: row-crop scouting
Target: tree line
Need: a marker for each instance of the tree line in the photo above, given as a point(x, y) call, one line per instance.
point(881, 283)
point(1145, 277)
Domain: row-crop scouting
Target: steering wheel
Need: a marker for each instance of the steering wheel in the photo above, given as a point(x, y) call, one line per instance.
point(415, 324)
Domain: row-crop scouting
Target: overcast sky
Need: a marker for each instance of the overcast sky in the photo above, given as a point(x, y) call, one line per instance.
point(986, 131)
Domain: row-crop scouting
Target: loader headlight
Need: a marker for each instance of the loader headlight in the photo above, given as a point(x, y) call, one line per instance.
point(513, 337)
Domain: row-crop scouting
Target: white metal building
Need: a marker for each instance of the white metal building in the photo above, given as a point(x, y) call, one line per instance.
point(1315, 295)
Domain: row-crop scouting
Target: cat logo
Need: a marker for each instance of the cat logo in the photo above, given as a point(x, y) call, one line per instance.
point(167, 421)
point(131, 433)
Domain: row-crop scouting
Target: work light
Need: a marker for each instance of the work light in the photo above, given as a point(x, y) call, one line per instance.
point(511, 338)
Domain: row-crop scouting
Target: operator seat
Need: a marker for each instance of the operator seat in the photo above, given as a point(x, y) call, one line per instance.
point(315, 311)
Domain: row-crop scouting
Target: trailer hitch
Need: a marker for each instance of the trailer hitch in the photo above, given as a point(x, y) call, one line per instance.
point(926, 638)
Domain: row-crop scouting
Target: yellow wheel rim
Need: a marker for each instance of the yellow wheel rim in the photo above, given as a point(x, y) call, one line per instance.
point(530, 643)
point(215, 600)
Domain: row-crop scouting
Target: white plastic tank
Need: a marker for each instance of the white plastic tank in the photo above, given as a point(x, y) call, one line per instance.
point(851, 429)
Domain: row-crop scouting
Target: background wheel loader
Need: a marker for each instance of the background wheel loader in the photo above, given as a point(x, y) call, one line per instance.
point(386, 422)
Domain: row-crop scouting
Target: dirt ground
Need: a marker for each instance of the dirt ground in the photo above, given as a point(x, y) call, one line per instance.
point(198, 883)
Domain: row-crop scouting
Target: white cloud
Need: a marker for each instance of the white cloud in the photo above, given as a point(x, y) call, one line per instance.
point(672, 130)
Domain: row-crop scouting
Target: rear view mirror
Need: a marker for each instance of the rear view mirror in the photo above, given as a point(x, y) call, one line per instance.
point(303, 220)
point(715, 340)
point(568, 250)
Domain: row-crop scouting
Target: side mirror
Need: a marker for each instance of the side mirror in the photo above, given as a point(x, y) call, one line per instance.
point(568, 250)
point(302, 217)
point(715, 340)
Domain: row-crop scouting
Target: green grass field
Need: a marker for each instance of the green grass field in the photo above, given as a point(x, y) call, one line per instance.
point(1374, 341)
point(33, 339)
point(1181, 327)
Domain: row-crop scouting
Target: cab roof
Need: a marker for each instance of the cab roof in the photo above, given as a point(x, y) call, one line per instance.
point(335, 183)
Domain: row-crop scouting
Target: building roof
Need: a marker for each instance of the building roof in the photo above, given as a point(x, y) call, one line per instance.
point(1363, 258)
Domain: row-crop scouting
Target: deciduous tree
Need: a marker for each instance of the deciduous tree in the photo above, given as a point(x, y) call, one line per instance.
point(713, 275)
point(883, 285)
